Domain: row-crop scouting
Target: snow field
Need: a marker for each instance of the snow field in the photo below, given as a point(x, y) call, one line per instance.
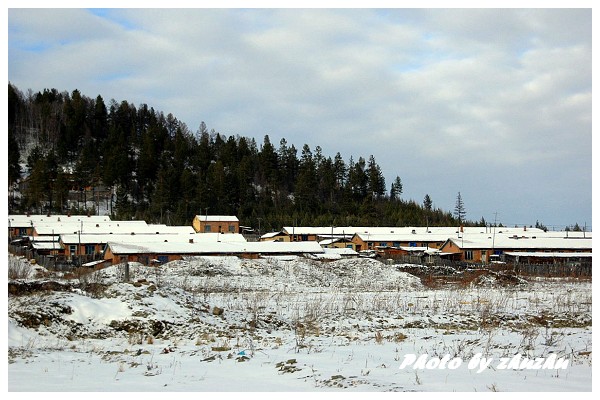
point(224, 324)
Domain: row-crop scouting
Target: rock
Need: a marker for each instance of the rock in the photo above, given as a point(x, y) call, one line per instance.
point(217, 311)
point(220, 348)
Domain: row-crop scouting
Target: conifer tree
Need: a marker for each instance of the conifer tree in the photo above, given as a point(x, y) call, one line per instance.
point(459, 209)
point(396, 189)
point(427, 203)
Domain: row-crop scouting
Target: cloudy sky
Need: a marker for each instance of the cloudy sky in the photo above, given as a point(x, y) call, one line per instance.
point(493, 103)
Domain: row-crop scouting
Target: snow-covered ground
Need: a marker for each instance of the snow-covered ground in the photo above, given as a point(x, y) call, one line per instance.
point(223, 324)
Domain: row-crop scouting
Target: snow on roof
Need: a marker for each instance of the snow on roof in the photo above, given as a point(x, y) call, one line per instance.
point(217, 218)
point(271, 235)
point(93, 263)
point(112, 227)
point(216, 248)
point(509, 242)
point(414, 249)
point(328, 241)
point(567, 235)
point(321, 230)
point(179, 229)
point(46, 245)
point(341, 251)
point(23, 221)
point(335, 254)
point(49, 238)
point(49, 228)
point(152, 237)
point(402, 230)
point(546, 254)
point(403, 237)
point(473, 236)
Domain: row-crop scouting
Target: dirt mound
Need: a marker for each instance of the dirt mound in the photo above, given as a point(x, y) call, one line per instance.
point(421, 270)
point(503, 278)
point(18, 288)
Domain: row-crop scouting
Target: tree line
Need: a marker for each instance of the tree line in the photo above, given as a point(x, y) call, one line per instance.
point(162, 172)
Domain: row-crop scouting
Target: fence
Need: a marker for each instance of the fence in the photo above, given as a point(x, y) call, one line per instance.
point(578, 268)
point(56, 262)
point(571, 269)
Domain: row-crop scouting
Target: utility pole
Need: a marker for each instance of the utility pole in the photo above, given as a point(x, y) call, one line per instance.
point(79, 247)
point(494, 234)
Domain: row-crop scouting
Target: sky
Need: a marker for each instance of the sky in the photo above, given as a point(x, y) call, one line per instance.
point(494, 103)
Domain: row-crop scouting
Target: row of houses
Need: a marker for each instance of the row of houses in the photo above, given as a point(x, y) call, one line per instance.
point(40, 225)
point(98, 239)
point(462, 244)
point(93, 240)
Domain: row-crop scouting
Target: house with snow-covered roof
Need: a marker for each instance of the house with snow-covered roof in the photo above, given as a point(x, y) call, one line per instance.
point(90, 244)
point(399, 238)
point(20, 225)
point(72, 227)
point(338, 243)
point(216, 223)
point(484, 248)
point(148, 253)
point(279, 236)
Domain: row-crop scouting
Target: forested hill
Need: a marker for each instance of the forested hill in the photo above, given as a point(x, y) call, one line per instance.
point(162, 172)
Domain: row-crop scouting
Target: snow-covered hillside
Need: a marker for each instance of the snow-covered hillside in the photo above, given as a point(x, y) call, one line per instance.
point(225, 324)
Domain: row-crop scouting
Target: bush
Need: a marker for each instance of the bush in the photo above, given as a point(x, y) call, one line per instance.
point(19, 268)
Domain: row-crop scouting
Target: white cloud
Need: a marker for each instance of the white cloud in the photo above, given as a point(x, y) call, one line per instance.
point(509, 88)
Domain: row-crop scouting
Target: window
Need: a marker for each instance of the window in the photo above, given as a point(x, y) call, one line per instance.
point(232, 228)
point(468, 254)
point(90, 249)
point(412, 244)
point(73, 249)
point(206, 228)
point(163, 259)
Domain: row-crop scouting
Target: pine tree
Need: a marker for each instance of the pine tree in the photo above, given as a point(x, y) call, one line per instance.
point(306, 186)
point(459, 209)
point(427, 203)
point(340, 170)
point(396, 189)
point(14, 155)
point(376, 181)
point(358, 180)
